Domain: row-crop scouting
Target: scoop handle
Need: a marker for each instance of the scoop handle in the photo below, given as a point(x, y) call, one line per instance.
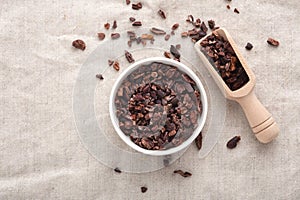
point(261, 121)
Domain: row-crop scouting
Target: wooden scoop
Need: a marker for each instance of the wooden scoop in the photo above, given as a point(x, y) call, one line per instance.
point(261, 121)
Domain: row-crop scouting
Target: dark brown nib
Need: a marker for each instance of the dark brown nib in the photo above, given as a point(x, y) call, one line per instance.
point(198, 141)
point(190, 19)
point(273, 42)
point(116, 66)
point(167, 37)
point(249, 46)
point(157, 31)
point(79, 44)
point(174, 52)
point(99, 76)
point(228, 6)
point(101, 36)
point(162, 14)
point(211, 24)
point(137, 23)
point(115, 35)
point(127, 2)
point(183, 174)
point(132, 19)
point(175, 26)
point(110, 62)
point(233, 142)
point(236, 11)
point(137, 6)
point(117, 170)
point(144, 189)
point(129, 57)
point(107, 26)
point(114, 26)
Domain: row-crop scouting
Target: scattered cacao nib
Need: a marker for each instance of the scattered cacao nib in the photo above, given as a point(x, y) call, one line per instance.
point(175, 26)
point(211, 24)
point(115, 36)
point(162, 14)
point(131, 34)
point(99, 76)
point(249, 46)
point(127, 2)
point(137, 23)
point(228, 6)
point(144, 189)
point(236, 11)
point(198, 141)
point(174, 52)
point(79, 44)
point(149, 110)
point(167, 37)
point(178, 46)
point(131, 19)
point(157, 31)
point(167, 54)
point(184, 34)
point(147, 36)
point(172, 32)
point(116, 65)
point(101, 36)
point(110, 62)
point(107, 26)
point(117, 170)
point(183, 174)
point(129, 57)
point(190, 19)
point(222, 56)
point(114, 26)
point(273, 42)
point(233, 142)
point(137, 6)
point(203, 27)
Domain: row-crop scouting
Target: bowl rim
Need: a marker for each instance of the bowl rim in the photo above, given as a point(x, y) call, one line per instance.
point(182, 68)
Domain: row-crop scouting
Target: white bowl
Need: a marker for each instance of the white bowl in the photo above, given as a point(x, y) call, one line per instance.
point(181, 67)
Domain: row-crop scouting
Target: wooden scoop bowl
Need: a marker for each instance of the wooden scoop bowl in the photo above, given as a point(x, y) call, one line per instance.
point(261, 121)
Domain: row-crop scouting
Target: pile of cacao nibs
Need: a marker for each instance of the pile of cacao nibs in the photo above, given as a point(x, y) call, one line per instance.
point(222, 56)
point(158, 106)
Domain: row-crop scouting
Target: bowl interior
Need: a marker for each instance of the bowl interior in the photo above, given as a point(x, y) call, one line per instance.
point(183, 68)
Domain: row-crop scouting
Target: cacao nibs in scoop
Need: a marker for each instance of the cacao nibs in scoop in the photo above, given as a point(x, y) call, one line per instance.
point(144, 189)
point(137, 6)
point(198, 141)
point(129, 57)
point(249, 46)
point(107, 26)
point(117, 170)
point(101, 36)
point(222, 56)
point(233, 142)
point(273, 42)
point(183, 174)
point(99, 76)
point(79, 44)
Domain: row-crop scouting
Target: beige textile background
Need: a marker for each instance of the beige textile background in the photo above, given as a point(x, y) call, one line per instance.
point(41, 156)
